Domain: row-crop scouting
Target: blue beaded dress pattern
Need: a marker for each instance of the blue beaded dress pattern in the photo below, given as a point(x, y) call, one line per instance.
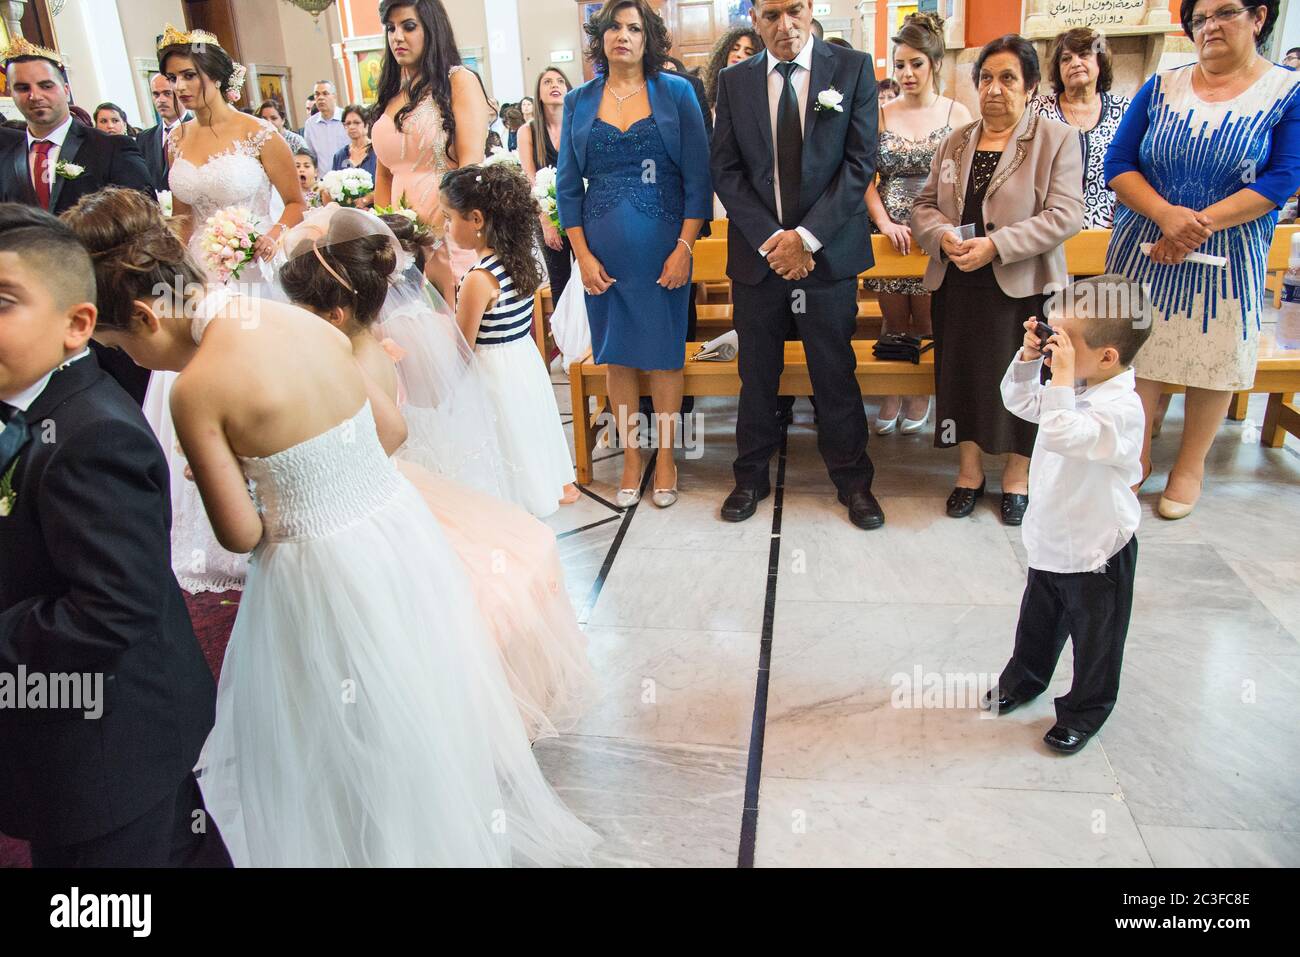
point(631, 218)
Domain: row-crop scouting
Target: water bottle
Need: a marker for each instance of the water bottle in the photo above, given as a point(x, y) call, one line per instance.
point(1288, 319)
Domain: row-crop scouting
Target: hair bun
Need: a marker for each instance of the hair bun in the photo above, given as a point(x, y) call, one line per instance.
point(926, 21)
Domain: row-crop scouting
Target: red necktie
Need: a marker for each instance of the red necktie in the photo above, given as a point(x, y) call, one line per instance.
point(42, 171)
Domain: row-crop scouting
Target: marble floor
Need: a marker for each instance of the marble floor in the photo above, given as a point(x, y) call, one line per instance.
point(762, 689)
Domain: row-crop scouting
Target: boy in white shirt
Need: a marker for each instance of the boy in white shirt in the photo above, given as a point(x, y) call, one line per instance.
point(1082, 516)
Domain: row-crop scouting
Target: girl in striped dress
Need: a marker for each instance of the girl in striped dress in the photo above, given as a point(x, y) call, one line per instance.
point(490, 209)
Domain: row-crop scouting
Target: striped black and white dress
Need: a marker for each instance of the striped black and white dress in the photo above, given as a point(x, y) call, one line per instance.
point(532, 438)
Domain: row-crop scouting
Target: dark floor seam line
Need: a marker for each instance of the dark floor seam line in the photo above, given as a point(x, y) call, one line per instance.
point(754, 768)
point(615, 545)
point(608, 504)
point(587, 528)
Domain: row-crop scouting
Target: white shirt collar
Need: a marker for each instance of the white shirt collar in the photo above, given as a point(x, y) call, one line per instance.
point(57, 137)
point(320, 118)
point(26, 399)
point(804, 59)
point(1126, 381)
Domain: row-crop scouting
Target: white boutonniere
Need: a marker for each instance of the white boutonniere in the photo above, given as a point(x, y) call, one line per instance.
point(830, 99)
point(68, 170)
point(8, 497)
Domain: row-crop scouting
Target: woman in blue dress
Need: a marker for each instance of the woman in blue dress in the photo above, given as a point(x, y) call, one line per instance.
point(636, 134)
point(1203, 160)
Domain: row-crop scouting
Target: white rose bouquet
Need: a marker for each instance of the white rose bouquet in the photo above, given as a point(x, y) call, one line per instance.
point(544, 193)
point(346, 186)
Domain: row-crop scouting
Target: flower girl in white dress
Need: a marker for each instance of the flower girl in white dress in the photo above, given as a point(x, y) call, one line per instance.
point(491, 210)
point(363, 718)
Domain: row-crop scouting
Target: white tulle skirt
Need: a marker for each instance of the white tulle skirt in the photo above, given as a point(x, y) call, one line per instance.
point(199, 562)
point(363, 716)
point(533, 445)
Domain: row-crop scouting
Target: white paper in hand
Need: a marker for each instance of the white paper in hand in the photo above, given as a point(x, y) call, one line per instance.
point(1204, 259)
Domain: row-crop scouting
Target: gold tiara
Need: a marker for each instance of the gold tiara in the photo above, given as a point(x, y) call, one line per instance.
point(22, 47)
point(172, 37)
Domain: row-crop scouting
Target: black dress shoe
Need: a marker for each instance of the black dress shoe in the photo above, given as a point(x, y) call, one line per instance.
point(743, 503)
point(1065, 740)
point(962, 500)
point(864, 510)
point(1005, 703)
point(1013, 508)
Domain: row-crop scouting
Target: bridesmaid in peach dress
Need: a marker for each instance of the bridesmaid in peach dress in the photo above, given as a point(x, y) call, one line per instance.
point(433, 116)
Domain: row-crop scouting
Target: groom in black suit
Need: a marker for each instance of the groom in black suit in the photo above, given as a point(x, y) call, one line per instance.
point(88, 602)
point(59, 161)
point(794, 148)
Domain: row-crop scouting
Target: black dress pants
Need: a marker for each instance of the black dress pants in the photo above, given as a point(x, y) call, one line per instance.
point(825, 315)
point(1092, 609)
point(164, 836)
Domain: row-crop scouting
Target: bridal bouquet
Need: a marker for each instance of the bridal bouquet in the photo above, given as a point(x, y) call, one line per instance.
point(165, 201)
point(346, 186)
point(227, 242)
point(544, 193)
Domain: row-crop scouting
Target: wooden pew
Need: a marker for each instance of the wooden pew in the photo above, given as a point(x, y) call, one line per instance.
point(1278, 370)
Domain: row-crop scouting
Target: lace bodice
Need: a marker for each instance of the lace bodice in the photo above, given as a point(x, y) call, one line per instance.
point(233, 177)
point(618, 163)
point(328, 483)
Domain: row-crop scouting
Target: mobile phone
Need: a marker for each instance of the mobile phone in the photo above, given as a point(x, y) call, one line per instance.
point(965, 231)
point(1044, 332)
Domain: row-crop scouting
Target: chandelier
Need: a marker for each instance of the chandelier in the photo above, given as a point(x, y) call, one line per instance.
point(314, 7)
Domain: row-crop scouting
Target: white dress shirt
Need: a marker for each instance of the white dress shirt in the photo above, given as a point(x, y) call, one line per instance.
point(325, 137)
point(1087, 455)
point(27, 398)
point(57, 138)
point(800, 78)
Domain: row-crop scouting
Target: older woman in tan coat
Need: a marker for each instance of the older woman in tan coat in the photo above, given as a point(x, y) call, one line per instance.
point(1014, 180)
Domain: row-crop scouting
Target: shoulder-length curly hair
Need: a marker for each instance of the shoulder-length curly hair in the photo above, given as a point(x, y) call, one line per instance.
point(1079, 41)
point(502, 194)
point(657, 41)
point(721, 52)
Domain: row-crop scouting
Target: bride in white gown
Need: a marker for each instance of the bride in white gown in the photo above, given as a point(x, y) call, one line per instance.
point(363, 717)
point(220, 159)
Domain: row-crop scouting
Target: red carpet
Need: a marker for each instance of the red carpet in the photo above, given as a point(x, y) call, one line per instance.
point(213, 616)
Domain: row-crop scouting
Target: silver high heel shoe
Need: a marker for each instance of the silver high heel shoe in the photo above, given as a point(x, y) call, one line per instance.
point(627, 497)
point(664, 497)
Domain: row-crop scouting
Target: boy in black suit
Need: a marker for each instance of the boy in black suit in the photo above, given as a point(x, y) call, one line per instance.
point(86, 588)
point(59, 161)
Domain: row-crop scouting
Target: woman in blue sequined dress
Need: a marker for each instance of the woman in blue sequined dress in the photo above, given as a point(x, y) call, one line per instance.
point(1202, 161)
point(636, 135)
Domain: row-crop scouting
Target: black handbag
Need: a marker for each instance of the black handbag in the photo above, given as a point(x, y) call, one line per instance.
point(893, 347)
